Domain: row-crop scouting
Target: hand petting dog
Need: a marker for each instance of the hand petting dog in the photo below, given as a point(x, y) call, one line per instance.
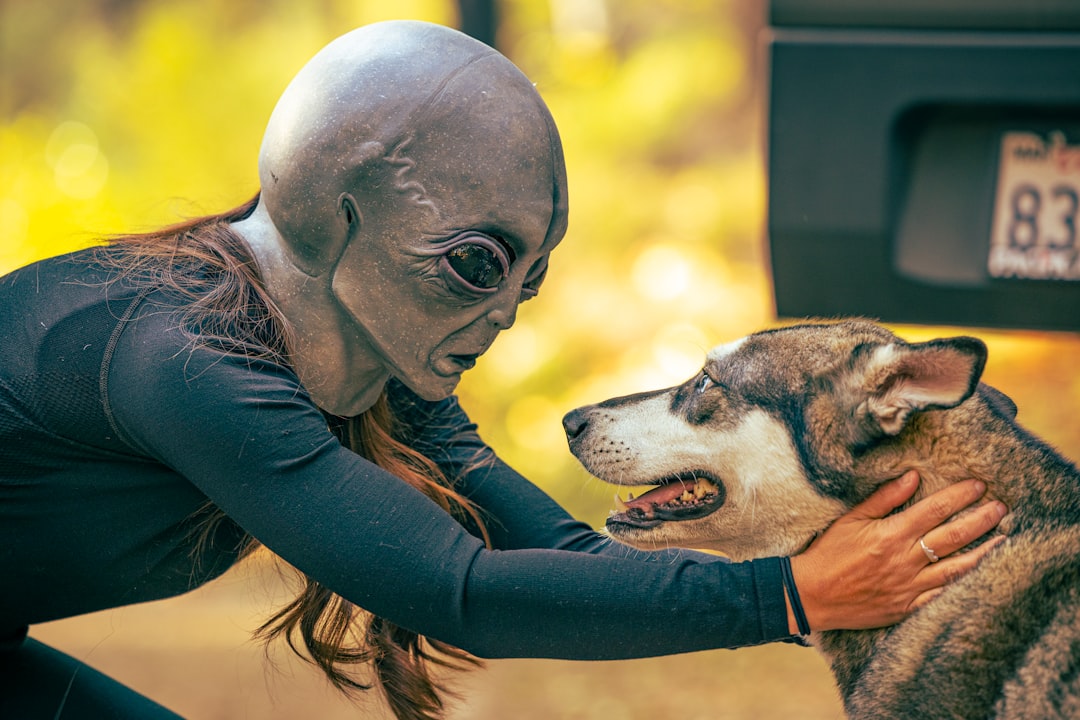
point(883, 587)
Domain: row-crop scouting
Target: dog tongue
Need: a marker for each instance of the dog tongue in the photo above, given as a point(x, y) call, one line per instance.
point(659, 495)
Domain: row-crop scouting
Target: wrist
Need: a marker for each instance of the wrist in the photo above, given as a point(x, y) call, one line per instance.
point(792, 625)
point(798, 623)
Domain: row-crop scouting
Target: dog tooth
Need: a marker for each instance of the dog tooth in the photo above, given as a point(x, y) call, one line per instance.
point(619, 504)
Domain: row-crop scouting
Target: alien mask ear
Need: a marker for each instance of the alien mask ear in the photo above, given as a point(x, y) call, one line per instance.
point(318, 236)
point(902, 379)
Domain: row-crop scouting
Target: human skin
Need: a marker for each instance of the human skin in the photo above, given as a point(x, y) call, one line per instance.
point(868, 569)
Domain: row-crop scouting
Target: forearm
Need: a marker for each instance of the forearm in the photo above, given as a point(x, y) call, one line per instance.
point(575, 606)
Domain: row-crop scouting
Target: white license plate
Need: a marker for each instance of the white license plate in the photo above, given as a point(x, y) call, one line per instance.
point(1036, 208)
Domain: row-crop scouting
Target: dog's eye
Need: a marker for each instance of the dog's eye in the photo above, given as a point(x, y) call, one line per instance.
point(703, 384)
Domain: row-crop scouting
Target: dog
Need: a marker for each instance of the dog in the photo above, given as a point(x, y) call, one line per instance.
point(785, 430)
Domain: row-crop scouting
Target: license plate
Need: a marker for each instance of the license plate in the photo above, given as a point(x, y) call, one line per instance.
point(1036, 208)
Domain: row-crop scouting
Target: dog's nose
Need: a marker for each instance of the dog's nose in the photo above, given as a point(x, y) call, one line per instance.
point(574, 423)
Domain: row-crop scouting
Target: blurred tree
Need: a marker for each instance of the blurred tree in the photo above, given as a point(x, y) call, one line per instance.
point(480, 19)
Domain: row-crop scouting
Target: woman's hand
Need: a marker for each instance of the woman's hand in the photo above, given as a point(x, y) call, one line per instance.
point(868, 570)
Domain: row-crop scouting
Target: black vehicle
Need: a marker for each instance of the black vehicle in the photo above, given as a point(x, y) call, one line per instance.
point(924, 160)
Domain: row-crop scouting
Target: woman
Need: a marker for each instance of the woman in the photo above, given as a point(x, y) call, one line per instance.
point(282, 374)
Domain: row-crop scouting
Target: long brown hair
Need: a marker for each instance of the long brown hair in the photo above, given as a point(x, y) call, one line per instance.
point(206, 267)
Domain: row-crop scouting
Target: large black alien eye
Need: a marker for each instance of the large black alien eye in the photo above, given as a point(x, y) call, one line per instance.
point(478, 261)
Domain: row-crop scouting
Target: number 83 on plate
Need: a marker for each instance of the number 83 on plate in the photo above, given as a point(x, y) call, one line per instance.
point(1036, 208)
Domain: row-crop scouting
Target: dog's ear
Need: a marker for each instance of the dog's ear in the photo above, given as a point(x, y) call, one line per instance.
point(998, 400)
point(902, 379)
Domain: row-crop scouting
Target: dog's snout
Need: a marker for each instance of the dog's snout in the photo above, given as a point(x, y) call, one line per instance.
point(574, 423)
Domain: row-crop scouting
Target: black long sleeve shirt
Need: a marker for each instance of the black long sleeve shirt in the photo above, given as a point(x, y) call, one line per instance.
point(116, 430)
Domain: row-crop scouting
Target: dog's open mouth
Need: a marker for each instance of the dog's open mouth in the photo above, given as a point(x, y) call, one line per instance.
point(686, 496)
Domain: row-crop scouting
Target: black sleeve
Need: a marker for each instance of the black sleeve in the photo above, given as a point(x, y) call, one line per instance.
point(247, 435)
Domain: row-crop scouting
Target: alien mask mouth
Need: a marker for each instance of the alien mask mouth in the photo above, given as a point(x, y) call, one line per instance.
point(465, 362)
point(686, 496)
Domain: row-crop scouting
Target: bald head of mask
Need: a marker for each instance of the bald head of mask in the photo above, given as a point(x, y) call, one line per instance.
point(413, 187)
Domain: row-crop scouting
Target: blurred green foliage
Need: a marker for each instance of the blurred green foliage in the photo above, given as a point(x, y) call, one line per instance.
point(121, 115)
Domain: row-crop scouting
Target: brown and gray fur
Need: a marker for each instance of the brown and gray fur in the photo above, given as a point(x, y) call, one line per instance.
point(793, 427)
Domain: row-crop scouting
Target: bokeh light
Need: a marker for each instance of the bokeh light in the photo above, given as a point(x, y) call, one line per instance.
point(80, 169)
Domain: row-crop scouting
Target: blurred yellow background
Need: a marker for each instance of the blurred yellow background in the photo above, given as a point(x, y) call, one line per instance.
point(121, 115)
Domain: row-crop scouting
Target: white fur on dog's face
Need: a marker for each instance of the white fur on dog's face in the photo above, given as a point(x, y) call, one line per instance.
point(770, 508)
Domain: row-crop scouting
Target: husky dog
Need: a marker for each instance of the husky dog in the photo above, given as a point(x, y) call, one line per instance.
point(786, 429)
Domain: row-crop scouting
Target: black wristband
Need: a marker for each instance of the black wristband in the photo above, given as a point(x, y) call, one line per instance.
point(793, 597)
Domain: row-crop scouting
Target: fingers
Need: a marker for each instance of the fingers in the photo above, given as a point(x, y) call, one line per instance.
point(934, 509)
point(937, 575)
point(966, 528)
point(869, 564)
point(925, 598)
point(888, 497)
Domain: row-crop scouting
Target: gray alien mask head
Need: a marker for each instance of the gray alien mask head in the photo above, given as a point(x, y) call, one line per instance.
point(412, 189)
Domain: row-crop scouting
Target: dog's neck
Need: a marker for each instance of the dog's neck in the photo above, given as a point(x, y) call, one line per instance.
point(970, 441)
point(974, 441)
